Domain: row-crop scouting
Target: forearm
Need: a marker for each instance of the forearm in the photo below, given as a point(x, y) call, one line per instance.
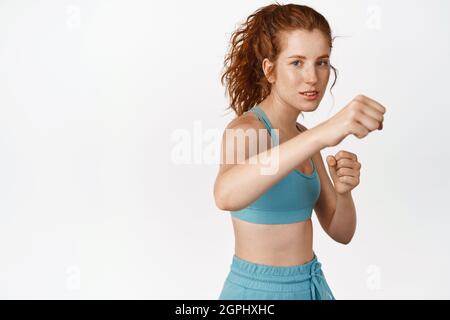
point(245, 182)
point(343, 224)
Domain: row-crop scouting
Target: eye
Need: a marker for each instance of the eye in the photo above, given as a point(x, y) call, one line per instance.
point(295, 63)
point(323, 63)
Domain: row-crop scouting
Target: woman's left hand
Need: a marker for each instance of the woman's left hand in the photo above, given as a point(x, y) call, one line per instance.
point(344, 170)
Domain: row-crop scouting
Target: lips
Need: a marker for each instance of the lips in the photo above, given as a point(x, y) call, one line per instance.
point(309, 93)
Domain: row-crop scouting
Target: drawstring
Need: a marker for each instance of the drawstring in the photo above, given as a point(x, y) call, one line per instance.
point(318, 282)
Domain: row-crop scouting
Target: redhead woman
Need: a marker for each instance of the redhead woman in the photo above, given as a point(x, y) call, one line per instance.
point(277, 68)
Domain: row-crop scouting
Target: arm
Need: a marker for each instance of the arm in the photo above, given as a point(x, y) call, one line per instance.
point(335, 210)
point(239, 184)
point(343, 222)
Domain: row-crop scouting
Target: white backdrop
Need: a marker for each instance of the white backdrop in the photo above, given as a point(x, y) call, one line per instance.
point(101, 100)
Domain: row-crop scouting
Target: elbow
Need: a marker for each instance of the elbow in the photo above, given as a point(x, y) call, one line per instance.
point(220, 201)
point(220, 198)
point(344, 240)
point(342, 235)
point(340, 238)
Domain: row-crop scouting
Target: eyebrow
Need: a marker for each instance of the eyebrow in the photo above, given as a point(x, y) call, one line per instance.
point(303, 57)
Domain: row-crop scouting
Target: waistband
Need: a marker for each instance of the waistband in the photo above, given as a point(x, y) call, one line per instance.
point(304, 277)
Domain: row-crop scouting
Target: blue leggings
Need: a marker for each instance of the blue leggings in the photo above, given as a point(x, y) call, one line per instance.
point(252, 281)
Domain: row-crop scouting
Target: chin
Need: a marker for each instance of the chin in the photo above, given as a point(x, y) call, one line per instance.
point(308, 106)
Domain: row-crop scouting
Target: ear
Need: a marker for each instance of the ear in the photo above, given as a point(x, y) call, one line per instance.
point(267, 67)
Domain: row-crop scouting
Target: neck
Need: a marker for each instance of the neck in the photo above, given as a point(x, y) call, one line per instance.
point(281, 115)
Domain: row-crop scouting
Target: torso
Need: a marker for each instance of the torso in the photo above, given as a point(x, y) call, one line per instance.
point(276, 244)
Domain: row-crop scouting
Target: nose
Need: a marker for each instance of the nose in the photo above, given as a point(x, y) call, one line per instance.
point(310, 75)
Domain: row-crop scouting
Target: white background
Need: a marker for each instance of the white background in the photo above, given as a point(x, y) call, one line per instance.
point(95, 95)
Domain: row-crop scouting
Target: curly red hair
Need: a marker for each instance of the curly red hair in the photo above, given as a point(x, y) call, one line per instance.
point(257, 39)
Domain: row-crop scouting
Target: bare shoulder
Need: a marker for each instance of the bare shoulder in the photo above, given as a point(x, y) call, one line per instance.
point(242, 125)
point(237, 125)
point(241, 128)
point(245, 121)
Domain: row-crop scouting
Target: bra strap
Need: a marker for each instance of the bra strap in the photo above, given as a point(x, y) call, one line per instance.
point(313, 163)
point(263, 118)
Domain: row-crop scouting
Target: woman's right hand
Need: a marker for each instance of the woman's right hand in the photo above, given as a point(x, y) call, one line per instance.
point(361, 116)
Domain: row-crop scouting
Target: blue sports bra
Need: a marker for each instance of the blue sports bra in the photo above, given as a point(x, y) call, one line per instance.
point(290, 200)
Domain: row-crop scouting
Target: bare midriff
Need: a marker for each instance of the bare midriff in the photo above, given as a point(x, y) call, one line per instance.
point(274, 244)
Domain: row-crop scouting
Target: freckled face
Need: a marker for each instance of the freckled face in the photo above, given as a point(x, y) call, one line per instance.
point(303, 64)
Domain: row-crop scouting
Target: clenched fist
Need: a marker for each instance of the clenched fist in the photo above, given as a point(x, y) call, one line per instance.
point(344, 170)
point(361, 116)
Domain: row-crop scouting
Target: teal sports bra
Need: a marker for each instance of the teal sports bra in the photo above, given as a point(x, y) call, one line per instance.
point(290, 200)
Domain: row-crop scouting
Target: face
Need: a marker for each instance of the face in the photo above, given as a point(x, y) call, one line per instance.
point(302, 65)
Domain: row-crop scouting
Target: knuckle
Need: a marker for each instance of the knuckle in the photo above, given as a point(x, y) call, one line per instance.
point(354, 112)
point(353, 105)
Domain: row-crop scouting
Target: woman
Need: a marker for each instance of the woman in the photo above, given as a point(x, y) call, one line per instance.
point(278, 67)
